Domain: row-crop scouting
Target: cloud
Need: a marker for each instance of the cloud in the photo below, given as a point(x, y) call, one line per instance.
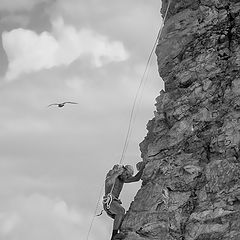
point(20, 20)
point(122, 19)
point(29, 52)
point(40, 217)
point(18, 5)
point(8, 223)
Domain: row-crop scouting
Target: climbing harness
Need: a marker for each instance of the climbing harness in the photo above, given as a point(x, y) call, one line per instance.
point(109, 199)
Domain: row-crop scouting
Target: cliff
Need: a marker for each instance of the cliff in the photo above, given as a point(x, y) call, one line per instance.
point(191, 183)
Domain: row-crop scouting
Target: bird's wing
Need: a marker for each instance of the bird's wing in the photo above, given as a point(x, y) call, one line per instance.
point(70, 102)
point(52, 104)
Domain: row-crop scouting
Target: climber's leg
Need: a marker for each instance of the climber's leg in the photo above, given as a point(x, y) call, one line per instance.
point(119, 212)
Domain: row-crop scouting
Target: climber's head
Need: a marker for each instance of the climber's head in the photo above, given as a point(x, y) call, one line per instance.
point(128, 171)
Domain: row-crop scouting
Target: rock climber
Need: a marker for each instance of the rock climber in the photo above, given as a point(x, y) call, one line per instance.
point(114, 182)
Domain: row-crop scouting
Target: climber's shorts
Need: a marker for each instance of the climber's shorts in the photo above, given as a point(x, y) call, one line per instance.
point(112, 206)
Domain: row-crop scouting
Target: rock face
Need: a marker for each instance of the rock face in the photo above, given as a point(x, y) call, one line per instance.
point(191, 183)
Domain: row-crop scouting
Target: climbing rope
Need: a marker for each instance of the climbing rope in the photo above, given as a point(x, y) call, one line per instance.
point(140, 86)
point(95, 212)
point(129, 129)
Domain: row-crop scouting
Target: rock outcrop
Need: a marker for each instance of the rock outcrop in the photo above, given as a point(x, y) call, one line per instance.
point(191, 182)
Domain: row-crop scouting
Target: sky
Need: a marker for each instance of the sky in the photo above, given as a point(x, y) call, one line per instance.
point(53, 161)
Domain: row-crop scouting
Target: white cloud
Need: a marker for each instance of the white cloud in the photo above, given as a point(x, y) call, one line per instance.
point(28, 51)
point(39, 217)
point(17, 5)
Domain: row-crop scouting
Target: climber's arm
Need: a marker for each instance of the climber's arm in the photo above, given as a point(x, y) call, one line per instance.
point(137, 177)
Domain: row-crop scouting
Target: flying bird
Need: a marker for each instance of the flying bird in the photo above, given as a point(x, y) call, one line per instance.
point(61, 104)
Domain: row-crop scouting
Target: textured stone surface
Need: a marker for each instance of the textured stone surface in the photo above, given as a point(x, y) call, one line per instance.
point(191, 183)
